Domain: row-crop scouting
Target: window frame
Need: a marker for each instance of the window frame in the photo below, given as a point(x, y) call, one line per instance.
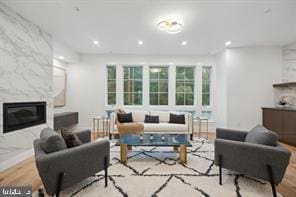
point(107, 83)
point(209, 81)
point(158, 80)
point(195, 87)
point(184, 81)
point(142, 87)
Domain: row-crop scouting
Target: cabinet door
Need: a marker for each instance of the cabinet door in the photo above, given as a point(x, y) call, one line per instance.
point(273, 120)
point(289, 127)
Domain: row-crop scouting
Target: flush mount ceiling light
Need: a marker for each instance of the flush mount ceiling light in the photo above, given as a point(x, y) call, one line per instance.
point(140, 42)
point(96, 42)
point(61, 57)
point(170, 26)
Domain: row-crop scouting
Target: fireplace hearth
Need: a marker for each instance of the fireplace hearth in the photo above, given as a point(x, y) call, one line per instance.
point(22, 115)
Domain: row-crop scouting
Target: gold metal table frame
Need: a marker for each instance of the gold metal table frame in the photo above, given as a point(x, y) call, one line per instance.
point(180, 146)
point(182, 150)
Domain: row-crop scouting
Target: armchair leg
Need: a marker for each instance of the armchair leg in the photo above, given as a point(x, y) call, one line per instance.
point(191, 137)
point(271, 180)
point(106, 171)
point(59, 183)
point(220, 169)
point(40, 192)
point(129, 147)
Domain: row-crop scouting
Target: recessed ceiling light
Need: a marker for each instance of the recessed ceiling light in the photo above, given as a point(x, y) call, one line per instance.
point(61, 57)
point(267, 11)
point(227, 43)
point(170, 26)
point(184, 43)
point(96, 42)
point(140, 42)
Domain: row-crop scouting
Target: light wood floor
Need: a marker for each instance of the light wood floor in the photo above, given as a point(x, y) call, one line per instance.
point(25, 173)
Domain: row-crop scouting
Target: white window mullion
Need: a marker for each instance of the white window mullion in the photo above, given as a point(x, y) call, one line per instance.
point(145, 86)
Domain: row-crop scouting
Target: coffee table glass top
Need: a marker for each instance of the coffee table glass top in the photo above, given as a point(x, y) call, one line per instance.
point(154, 140)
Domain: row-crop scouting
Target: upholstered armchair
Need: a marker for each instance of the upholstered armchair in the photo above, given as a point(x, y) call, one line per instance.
point(264, 162)
point(67, 166)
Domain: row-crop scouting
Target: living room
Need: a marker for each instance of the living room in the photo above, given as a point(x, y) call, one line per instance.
point(161, 92)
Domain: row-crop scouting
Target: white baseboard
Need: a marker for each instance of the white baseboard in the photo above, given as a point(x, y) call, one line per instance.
point(16, 159)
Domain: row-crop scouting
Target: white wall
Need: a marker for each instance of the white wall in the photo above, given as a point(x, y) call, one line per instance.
point(87, 81)
point(251, 72)
point(60, 65)
point(69, 55)
point(25, 75)
point(220, 91)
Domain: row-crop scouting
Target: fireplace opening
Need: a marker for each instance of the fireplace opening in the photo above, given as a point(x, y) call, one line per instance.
point(22, 115)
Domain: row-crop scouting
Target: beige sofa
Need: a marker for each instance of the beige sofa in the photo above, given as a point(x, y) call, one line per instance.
point(162, 127)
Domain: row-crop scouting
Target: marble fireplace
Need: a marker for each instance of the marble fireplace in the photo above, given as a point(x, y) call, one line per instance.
point(23, 115)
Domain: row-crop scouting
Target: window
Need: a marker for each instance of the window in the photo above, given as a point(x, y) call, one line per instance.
point(133, 85)
point(206, 84)
point(184, 85)
point(111, 83)
point(206, 114)
point(158, 87)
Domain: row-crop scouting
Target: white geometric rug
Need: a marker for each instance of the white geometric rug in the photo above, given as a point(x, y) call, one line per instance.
point(155, 171)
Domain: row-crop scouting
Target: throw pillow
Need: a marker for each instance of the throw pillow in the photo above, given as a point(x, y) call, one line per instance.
point(119, 111)
point(122, 118)
point(261, 135)
point(51, 141)
point(70, 138)
point(151, 119)
point(177, 119)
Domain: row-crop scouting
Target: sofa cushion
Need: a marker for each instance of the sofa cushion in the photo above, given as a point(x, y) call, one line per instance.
point(165, 127)
point(51, 141)
point(177, 119)
point(139, 116)
point(261, 135)
point(151, 119)
point(123, 118)
point(163, 115)
point(70, 138)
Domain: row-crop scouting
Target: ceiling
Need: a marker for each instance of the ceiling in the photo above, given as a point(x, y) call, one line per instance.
point(119, 24)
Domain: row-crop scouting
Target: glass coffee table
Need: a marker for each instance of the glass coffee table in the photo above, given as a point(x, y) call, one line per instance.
point(173, 140)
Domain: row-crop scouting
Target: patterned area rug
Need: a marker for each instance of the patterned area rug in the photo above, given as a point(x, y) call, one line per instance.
point(155, 171)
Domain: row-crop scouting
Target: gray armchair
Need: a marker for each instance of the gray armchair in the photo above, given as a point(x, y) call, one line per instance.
point(264, 162)
point(64, 168)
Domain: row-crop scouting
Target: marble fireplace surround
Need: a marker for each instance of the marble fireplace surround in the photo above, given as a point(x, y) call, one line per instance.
point(26, 75)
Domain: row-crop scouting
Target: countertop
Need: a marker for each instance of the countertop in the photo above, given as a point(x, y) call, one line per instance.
point(281, 108)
